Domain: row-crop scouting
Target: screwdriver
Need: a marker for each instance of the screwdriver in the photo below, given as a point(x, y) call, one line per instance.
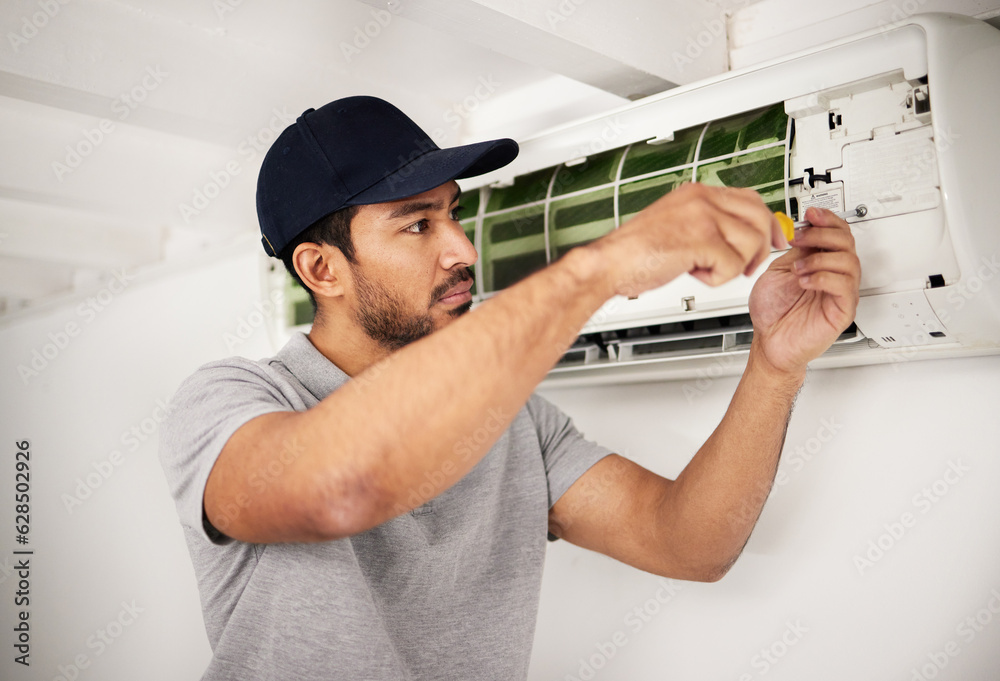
point(788, 226)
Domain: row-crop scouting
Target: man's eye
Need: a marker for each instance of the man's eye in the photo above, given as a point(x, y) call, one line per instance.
point(417, 227)
point(456, 212)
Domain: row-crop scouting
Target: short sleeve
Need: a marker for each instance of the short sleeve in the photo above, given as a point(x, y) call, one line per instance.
point(567, 454)
point(206, 410)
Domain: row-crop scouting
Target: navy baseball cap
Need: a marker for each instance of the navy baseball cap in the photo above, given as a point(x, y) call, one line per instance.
point(355, 151)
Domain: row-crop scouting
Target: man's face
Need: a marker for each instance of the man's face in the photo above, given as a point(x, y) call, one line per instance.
point(411, 274)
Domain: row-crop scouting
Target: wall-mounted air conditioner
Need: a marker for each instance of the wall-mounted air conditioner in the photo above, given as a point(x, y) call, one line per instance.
point(899, 121)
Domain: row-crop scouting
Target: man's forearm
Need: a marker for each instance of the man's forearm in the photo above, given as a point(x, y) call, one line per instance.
point(714, 504)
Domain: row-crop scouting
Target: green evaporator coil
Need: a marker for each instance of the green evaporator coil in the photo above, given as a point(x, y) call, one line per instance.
point(543, 214)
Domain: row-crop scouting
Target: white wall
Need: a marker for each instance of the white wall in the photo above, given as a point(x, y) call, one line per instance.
point(122, 542)
point(898, 428)
point(862, 446)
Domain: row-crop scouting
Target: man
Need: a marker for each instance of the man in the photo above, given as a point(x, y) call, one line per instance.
point(373, 503)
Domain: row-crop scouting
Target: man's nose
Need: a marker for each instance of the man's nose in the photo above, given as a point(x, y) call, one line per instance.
point(458, 249)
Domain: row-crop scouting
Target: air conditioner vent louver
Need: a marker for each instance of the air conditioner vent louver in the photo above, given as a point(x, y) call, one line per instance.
point(698, 338)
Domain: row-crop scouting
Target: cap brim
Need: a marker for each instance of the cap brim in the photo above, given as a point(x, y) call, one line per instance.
point(437, 166)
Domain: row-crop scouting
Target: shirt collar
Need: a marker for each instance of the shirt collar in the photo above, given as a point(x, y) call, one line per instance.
point(318, 374)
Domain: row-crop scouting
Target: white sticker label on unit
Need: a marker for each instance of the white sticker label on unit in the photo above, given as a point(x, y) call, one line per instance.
point(831, 200)
point(893, 175)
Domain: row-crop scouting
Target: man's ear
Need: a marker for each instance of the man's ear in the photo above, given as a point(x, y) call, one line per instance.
point(322, 267)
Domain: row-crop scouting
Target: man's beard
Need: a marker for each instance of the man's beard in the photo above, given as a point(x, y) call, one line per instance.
point(385, 318)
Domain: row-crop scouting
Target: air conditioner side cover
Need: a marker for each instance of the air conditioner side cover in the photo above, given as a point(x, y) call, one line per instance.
point(963, 59)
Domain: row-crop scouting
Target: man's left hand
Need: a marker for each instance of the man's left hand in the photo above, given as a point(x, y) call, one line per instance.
point(809, 295)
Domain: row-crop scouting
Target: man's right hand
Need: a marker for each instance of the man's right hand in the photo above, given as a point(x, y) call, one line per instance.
point(712, 233)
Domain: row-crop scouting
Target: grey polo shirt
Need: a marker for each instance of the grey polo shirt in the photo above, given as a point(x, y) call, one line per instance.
point(446, 591)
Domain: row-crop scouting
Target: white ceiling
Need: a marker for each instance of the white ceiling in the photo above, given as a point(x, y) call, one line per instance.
point(217, 78)
point(132, 130)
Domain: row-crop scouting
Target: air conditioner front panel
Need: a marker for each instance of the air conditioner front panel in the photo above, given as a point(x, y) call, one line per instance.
point(901, 252)
point(683, 298)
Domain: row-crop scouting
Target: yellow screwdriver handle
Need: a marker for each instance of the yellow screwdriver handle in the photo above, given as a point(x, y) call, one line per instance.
point(787, 225)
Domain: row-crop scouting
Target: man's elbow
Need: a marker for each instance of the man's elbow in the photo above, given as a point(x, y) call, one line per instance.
point(698, 571)
point(716, 571)
point(713, 574)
